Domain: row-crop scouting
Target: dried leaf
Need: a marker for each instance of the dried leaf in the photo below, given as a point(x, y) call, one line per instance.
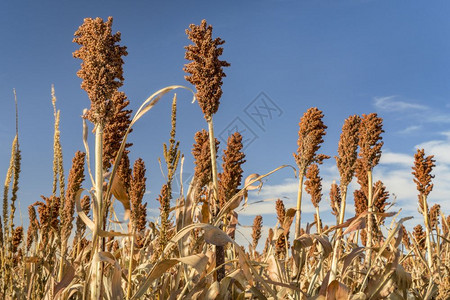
point(81, 213)
point(304, 241)
point(116, 287)
point(65, 281)
point(213, 290)
point(337, 291)
point(231, 228)
point(272, 268)
point(245, 268)
point(197, 261)
point(356, 252)
point(120, 193)
point(217, 237)
point(357, 224)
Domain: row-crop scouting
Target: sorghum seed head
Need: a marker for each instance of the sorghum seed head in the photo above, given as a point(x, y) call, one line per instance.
point(347, 149)
point(101, 69)
point(370, 140)
point(206, 68)
point(310, 136)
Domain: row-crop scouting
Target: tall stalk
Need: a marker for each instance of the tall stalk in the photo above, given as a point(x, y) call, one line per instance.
point(298, 214)
point(337, 245)
point(130, 265)
point(426, 220)
point(422, 177)
point(220, 250)
point(212, 148)
point(96, 281)
point(310, 136)
point(369, 218)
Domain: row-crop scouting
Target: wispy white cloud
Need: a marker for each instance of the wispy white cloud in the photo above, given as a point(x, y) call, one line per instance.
point(393, 103)
point(439, 148)
point(411, 110)
point(410, 129)
point(390, 158)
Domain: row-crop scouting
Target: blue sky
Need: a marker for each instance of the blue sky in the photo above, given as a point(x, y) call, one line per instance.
point(345, 57)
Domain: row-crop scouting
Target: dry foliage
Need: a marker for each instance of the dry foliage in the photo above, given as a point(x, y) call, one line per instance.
point(191, 252)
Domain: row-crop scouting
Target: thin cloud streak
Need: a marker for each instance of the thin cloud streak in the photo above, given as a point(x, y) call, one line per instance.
point(390, 103)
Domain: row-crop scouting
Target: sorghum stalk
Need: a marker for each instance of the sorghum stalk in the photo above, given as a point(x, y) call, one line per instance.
point(370, 152)
point(97, 280)
point(206, 71)
point(347, 150)
point(102, 75)
point(422, 177)
point(130, 266)
point(212, 148)
point(310, 136)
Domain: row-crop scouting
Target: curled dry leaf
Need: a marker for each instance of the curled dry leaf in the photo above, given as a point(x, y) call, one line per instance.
point(120, 193)
point(231, 228)
point(217, 237)
point(65, 281)
point(197, 261)
point(356, 252)
point(116, 287)
point(307, 240)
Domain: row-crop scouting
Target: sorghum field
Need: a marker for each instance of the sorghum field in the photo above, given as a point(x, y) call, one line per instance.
point(76, 246)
